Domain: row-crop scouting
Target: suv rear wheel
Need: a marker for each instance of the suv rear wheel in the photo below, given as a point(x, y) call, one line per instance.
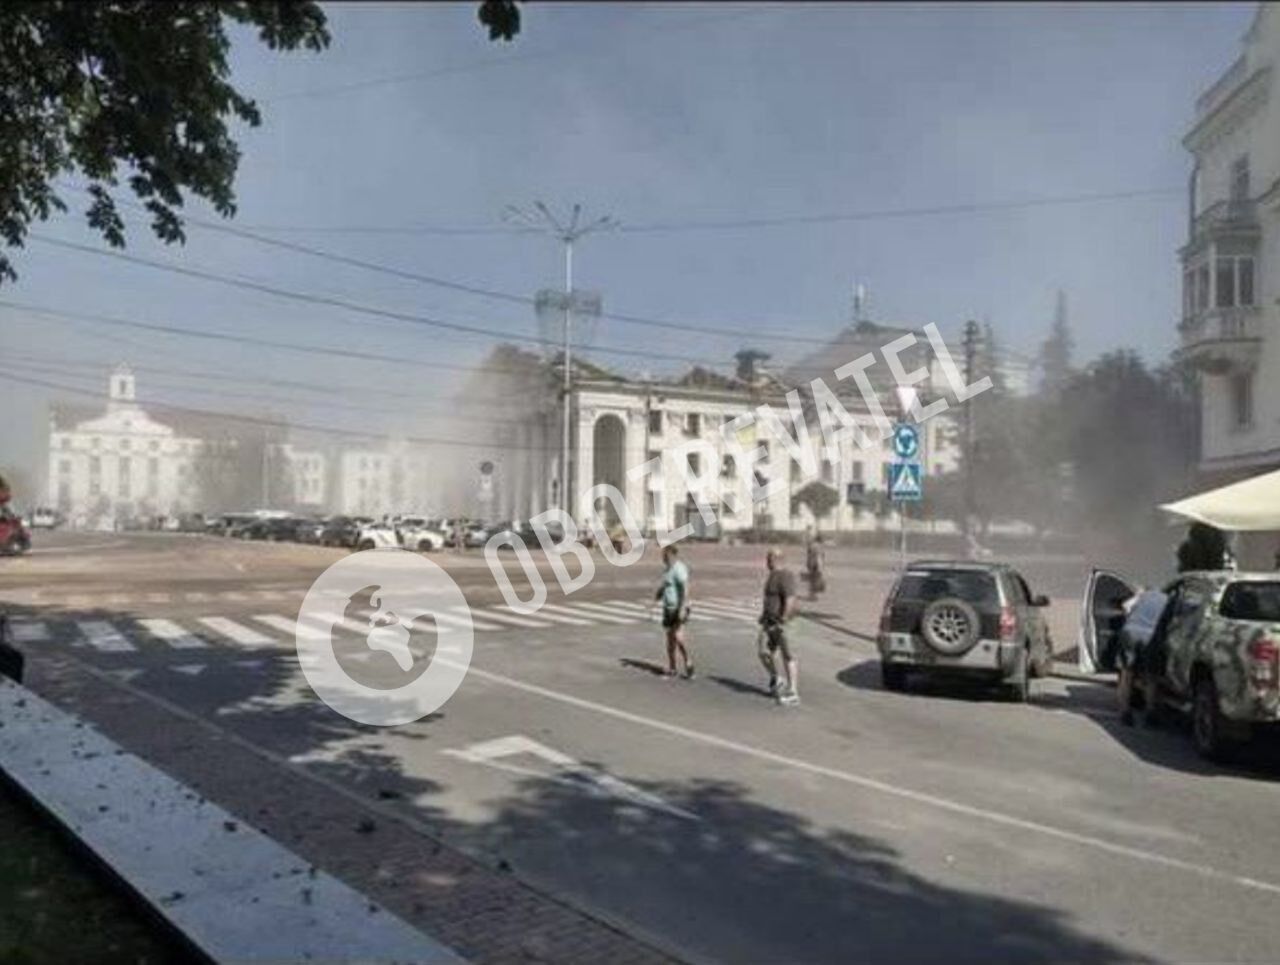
point(1207, 725)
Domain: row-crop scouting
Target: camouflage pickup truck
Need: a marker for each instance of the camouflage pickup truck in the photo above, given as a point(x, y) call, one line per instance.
point(1213, 648)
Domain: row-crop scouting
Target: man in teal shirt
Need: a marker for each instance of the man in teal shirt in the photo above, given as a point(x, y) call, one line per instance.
point(674, 594)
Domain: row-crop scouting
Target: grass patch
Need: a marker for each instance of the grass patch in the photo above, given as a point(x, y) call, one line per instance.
point(55, 907)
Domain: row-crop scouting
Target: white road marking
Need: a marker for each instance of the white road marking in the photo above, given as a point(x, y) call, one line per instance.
point(722, 612)
point(491, 753)
point(172, 634)
point(190, 669)
point(601, 612)
point(101, 635)
point(157, 597)
point(476, 622)
point(79, 601)
point(195, 596)
point(282, 623)
point(234, 595)
point(269, 594)
point(561, 614)
point(642, 611)
point(503, 614)
point(119, 599)
point(29, 631)
point(236, 631)
point(936, 801)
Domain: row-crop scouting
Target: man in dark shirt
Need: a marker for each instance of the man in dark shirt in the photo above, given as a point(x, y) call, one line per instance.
point(779, 606)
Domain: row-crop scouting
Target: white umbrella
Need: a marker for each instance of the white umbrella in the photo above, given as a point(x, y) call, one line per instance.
point(1246, 506)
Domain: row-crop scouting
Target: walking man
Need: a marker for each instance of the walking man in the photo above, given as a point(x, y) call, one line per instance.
point(673, 592)
point(779, 607)
point(814, 564)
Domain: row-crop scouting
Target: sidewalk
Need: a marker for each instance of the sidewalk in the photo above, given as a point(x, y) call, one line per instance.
point(483, 911)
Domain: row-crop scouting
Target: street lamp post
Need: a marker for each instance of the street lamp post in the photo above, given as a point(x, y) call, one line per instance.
point(567, 233)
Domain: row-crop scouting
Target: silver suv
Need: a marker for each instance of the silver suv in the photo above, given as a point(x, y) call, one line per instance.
point(964, 618)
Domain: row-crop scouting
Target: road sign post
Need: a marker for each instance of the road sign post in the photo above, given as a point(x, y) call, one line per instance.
point(905, 478)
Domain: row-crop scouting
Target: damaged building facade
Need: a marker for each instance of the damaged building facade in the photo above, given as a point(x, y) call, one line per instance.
point(619, 423)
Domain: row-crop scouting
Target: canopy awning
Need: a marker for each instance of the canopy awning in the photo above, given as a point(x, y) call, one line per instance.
point(1246, 506)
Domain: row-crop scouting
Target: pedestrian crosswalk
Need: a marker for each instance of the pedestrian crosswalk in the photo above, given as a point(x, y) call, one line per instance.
point(128, 634)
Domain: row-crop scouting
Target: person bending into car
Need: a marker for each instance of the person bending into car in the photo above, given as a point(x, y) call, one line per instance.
point(673, 592)
point(778, 609)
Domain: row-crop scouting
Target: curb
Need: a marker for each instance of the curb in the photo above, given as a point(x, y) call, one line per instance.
point(222, 887)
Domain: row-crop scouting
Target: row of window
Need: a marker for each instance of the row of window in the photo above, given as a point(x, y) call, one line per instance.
point(692, 422)
point(1233, 284)
point(827, 472)
point(126, 445)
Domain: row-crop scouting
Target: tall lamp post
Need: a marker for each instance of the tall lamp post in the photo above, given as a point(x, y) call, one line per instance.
point(568, 233)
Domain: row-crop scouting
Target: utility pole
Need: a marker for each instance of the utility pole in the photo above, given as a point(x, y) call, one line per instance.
point(567, 233)
point(971, 334)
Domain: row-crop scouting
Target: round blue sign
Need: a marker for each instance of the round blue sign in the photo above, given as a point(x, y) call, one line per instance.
point(906, 440)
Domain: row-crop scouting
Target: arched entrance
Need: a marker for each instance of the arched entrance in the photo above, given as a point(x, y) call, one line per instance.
point(608, 459)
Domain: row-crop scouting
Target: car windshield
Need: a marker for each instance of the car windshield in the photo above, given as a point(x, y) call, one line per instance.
point(1252, 600)
point(928, 585)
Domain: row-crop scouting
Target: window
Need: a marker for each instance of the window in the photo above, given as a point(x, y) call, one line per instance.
point(1242, 399)
point(726, 419)
point(153, 466)
point(886, 469)
point(125, 480)
point(655, 421)
point(95, 442)
point(828, 472)
point(729, 468)
point(64, 467)
point(695, 463)
point(1202, 287)
point(1234, 276)
point(1240, 179)
point(95, 487)
point(693, 424)
point(795, 470)
point(855, 468)
point(764, 451)
point(125, 445)
point(1254, 600)
point(95, 465)
point(155, 445)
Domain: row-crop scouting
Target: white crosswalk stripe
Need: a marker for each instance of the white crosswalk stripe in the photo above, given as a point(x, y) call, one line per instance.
point(157, 597)
point(101, 635)
point(29, 631)
point(236, 631)
point(605, 613)
point(172, 634)
point(562, 614)
point(477, 623)
point(724, 612)
point(642, 611)
point(270, 594)
point(234, 595)
point(119, 599)
point(504, 614)
point(195, 596)
point(277, 622)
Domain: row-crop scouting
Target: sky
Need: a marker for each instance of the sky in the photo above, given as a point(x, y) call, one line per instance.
point(415, 125)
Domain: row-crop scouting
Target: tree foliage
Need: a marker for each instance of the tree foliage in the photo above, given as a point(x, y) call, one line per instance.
point(820, 498)
point(141, 92)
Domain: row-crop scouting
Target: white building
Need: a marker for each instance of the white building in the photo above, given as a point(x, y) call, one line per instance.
point(120, 463)
point(620, 423)
point(306, 472)
point(1230, 328)
point(396, 478)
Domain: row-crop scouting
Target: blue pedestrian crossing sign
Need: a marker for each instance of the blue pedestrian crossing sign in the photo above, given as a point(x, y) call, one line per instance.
point(906, 440)
point(904, 482)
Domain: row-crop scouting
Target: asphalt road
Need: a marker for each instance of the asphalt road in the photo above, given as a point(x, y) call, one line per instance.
point(862, 825)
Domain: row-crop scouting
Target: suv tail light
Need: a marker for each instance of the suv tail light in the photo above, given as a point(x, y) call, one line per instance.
point(1008, 624)
point(886, 614)
point(1264, 662)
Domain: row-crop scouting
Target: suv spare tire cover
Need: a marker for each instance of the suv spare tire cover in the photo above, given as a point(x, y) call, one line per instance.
point(950, 625)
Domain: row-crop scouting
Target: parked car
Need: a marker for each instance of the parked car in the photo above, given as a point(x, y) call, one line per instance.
point(339, 531)
point(961, 617)
point(1213, 645)
point(15, 538)
point(42, 517)
point(227, 523)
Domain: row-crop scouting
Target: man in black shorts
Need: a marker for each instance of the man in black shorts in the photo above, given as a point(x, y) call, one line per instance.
point(779, 607)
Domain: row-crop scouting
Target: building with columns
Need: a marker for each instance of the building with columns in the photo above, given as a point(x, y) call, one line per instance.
point(1229, 331)
point(619, 423)
point(120, 462)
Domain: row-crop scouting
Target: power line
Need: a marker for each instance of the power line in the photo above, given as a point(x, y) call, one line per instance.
point(516, 59)
point(346, 305)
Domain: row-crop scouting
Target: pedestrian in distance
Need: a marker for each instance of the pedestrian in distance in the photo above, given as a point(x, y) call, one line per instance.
point(815, 565)
point(778, 608)
point(673, 594)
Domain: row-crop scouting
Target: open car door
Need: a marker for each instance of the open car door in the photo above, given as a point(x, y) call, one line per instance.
point(1101, 617)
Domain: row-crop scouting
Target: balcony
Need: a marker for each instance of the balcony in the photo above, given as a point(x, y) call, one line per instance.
point(1221, 341)
point(1236, 217)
